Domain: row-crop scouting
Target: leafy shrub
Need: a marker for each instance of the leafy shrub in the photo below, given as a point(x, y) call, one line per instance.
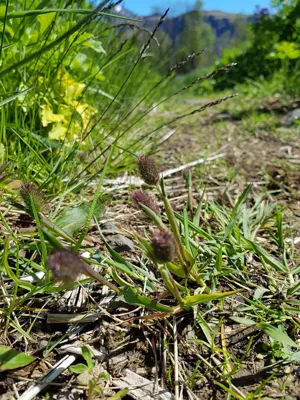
point(275, 46)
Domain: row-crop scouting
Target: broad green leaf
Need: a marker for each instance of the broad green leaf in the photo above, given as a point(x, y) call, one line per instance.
point(191, 301)
point(98, 389)
point(276, 334)
point(295, 357)
point(131, 296)
point(45, 21)
point(37, 54)
point(73, 219)
point(79, 368)
point(176, 269)
point(11, 359)
point(244, 321)
point(115, 255)
point(95, 45)
point(170, 283)
point(219, 260)
point(86, 354)
point(122, 393)
point(7, 29)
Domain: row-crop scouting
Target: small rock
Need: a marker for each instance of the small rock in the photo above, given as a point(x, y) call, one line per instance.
point(291, 117)
point(120, 243)
point(108, 228)
point(224, 116)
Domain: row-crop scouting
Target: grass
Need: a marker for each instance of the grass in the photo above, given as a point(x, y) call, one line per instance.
point(223, 304)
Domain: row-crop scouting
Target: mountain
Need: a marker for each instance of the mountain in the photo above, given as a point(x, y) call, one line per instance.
point(228, 28)
point(221, 22)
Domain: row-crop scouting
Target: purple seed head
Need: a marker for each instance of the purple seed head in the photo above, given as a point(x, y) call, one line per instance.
point(147, 199)
point(30, 191)
point(163, 245)
point(148, 170)
point(65, 265)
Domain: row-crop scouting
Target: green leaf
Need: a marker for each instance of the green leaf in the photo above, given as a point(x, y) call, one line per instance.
point(176, 269)
point(15, 96)
point(29, 13)
point(9, 271)
point(86, 354)
point(244, 321)
point(95, 45)
point(131, 296)
point(234, 214)
point(219, 260)
point(122, 393)
point(79, 368)
point(37, 54)
point(98, 389)
point(155, 218)
point(73, 219)
point(45, 21)
point(278, 266)
point(11, 359)
point(191, 301)
point(200, 231)
point(276, 334)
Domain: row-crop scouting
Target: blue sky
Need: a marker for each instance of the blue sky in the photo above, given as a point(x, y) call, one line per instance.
point(144, 7)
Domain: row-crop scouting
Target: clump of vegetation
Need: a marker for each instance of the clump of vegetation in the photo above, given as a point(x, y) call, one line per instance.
point(274, 47)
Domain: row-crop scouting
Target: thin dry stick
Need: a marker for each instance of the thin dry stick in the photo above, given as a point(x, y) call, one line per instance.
point(176, 368)
point(58, 368)
point(124, 181)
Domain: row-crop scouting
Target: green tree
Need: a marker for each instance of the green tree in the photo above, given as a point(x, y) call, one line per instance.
point(274, 47)
point(195, 36)
point(241, 32)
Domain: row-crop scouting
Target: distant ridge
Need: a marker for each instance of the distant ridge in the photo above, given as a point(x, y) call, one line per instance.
point(222, 23)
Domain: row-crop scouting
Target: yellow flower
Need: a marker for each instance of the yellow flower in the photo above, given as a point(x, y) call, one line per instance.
point(58, 132)
point(74, 91)
point(71, 88)
point(85, 111)
point(49, 117)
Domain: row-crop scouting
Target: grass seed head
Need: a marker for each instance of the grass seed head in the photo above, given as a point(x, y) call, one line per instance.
point(147, 199)
point(65, 265)
point(30, 191)
point(163, 245)
point(148, 170)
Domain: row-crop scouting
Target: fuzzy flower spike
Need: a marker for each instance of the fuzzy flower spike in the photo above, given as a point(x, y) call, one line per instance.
point(67, 266)
point(163, 245)
point(28, 192)
point(148, 170)
point(146, 199)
